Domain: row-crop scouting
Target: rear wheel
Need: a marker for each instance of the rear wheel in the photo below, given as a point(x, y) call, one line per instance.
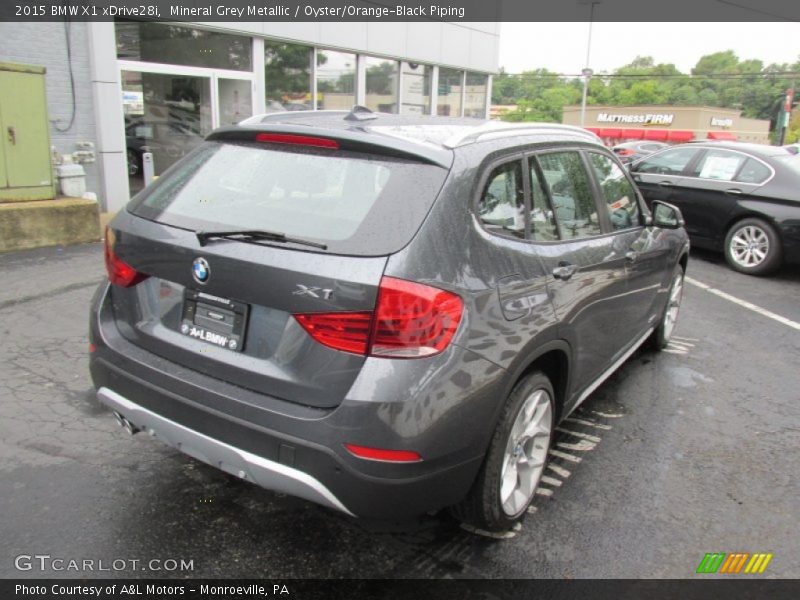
point(516, 458)
point(752, 246)
point(663, 333)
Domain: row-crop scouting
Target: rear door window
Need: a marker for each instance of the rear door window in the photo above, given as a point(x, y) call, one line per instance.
point(502, 205)
point(753, 171)
point(354, 203)
point(719, 165)
point(618, 192)
point(568, 184)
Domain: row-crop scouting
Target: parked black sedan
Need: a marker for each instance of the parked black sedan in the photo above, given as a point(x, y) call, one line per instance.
point(743, 199)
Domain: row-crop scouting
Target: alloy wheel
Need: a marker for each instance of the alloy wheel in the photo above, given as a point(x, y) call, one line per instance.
point(526, 452)
point(673, 306)
point(749, 246)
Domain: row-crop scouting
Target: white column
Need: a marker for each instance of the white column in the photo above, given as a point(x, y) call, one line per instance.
point(108, 116)
point(488, 96)
point(259, 83)
point(434, 88)
point(361, 80)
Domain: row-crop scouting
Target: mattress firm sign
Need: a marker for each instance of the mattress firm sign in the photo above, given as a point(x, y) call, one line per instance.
point(648, 119)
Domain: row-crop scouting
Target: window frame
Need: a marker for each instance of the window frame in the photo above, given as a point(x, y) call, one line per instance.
point(483, 180)
point(643, 212)
point(526, 155)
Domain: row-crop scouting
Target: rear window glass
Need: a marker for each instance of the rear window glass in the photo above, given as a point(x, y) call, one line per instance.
point(354, 203)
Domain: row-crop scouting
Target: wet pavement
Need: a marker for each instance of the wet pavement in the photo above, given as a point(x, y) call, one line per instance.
point(680, 453)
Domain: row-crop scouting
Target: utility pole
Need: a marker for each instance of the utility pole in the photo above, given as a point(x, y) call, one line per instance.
point(786, 113)
point(587, 72)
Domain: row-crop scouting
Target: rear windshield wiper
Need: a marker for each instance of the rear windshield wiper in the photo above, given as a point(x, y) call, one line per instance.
point(253, 236)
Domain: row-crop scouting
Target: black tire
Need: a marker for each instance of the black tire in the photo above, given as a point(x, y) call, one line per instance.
point(482, 508)
point(756, 230)
point(663, 333)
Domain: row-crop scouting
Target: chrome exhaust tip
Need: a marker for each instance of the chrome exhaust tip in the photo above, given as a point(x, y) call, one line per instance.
point(125, 424)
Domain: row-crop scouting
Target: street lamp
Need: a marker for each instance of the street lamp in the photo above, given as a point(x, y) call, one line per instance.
point(587, 72)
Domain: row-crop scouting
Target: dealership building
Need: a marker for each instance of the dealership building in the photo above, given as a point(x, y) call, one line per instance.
point(115, 90)
point(671, 124)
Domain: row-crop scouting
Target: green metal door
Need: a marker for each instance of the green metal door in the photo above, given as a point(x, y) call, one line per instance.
point(26, 172)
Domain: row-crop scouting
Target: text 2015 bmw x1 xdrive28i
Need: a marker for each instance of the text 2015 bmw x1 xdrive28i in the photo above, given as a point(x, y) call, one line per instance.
point(385, 315)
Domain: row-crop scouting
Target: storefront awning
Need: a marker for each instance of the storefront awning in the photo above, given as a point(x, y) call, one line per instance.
point(632, 134)
point(610, 133)
point(594, 130)
point(677, 135)
point(721, 135)
point(655, 134)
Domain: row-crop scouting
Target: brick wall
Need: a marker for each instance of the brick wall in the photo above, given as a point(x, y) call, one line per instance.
point(45, 44)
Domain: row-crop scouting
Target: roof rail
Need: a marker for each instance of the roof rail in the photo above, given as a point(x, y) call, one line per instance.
point(503, 129)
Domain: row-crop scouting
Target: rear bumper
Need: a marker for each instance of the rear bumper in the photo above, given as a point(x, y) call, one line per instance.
point(300, 450)
point(233, 460)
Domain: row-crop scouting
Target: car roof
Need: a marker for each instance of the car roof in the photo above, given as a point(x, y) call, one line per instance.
point(432, 138)
point(759, 150)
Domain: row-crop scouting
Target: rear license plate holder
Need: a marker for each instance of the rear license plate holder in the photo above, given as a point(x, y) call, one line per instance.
point(217, 321)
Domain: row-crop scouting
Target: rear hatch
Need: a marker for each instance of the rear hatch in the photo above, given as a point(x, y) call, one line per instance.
point(233, 307)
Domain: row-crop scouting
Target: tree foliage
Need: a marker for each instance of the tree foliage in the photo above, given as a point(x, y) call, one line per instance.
point(718, 79)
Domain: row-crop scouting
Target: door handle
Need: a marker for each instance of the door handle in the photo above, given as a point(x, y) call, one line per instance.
point(564, 270)
point(12, 135)
point(734, 191)
point(665, 183)
point(631, 255)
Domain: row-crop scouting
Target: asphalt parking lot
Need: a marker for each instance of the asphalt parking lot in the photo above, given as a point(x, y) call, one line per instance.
point(681, 453)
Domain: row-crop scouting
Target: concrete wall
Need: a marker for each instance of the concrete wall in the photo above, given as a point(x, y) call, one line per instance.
point(45, 44)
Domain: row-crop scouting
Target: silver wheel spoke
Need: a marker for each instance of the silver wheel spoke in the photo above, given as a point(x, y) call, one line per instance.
point(526, 452)
point(749, 246)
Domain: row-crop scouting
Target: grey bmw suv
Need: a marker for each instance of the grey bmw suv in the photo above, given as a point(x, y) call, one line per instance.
point(385, 315)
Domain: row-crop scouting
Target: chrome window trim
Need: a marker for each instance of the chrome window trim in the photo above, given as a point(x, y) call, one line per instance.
point(707, 147)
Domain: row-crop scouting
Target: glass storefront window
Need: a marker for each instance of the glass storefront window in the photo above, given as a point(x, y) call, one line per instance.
point(382, 76)
point(287, 75)
point(415, 97)
point(235, 100)
point(449, 98)
point(336, 80)
point(475, 95)
point(167, 115)
point(176, 45)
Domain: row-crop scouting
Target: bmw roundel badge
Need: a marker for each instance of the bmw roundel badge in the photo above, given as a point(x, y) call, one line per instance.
point(200, 270)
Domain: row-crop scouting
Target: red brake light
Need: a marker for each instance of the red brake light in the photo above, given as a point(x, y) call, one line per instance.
point(119, 272)
point(384, 455)
point(300, 140)
point(348, 331)
point(410, 320)
point(413, 320)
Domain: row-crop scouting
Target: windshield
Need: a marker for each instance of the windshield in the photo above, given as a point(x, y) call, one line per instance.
point(353, 203)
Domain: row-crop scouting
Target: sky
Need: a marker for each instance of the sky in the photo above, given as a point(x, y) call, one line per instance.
point(561, 47)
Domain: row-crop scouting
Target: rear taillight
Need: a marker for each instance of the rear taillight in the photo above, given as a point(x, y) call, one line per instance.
point(410, 320)
point(119, 272)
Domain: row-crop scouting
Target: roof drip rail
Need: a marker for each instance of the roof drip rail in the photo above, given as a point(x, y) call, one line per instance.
point(494, 129)
point(360, 113)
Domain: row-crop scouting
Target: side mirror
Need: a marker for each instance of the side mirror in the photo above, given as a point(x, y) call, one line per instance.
point(667, 216)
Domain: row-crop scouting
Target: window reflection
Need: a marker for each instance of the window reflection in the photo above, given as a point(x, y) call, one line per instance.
point(175, 45)
point(381, 79)
point(475, 95)
point(449, 97)
point(287, 75)
point(336, 80)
